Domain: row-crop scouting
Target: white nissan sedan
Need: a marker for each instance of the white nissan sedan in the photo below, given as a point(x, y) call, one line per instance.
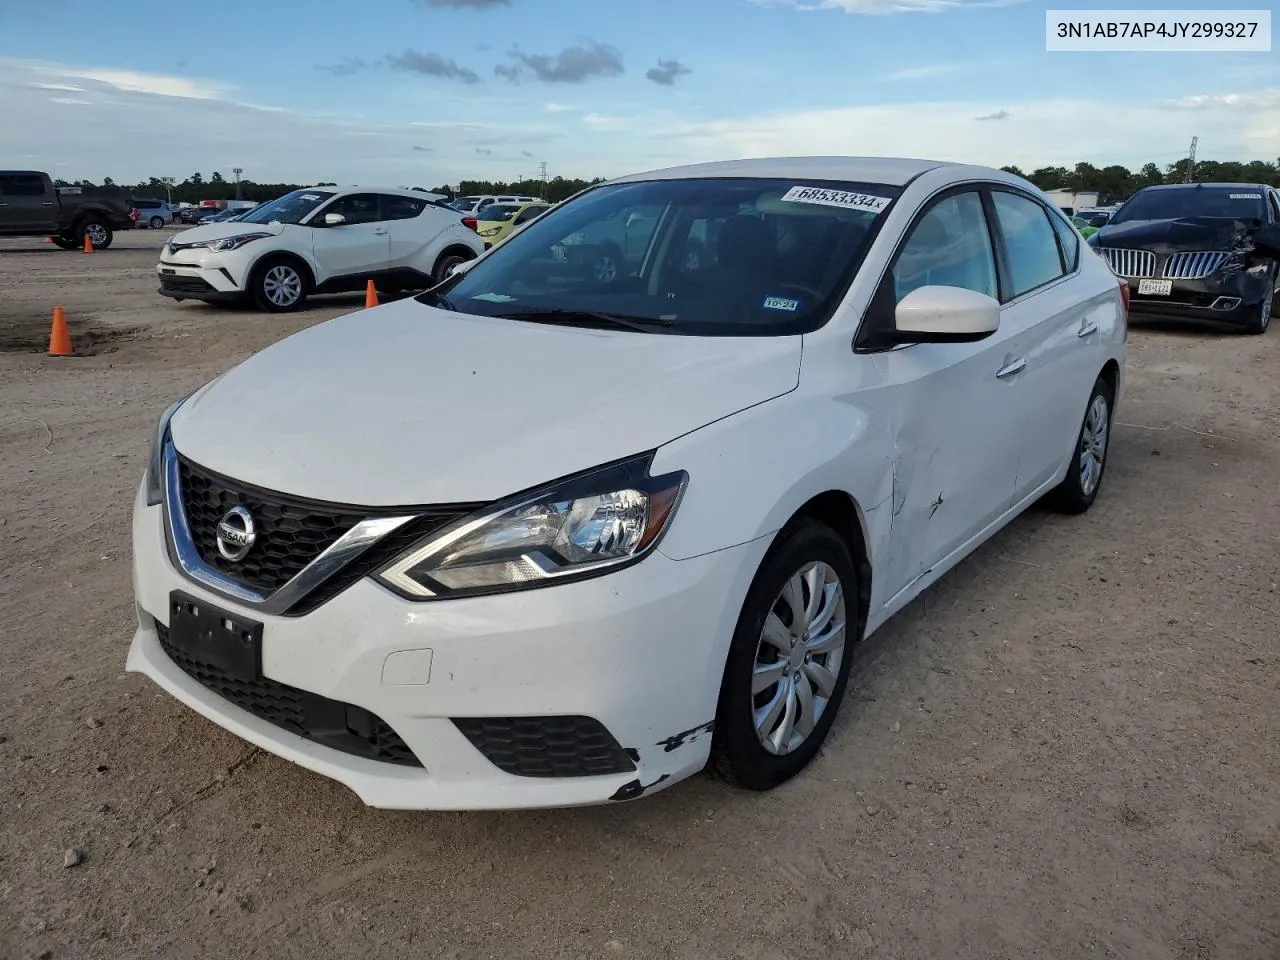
point(555, 534)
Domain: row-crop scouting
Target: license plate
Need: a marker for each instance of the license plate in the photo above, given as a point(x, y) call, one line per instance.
point(1155, 288)
point(224, 641)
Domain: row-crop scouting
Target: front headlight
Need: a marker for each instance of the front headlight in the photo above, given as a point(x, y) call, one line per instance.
point(155, 465)
point(236, 242)
point(582, 526)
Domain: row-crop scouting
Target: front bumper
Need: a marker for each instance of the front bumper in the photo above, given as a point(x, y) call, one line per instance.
point(1233, 300)
point(641, 651)
point(203, 277)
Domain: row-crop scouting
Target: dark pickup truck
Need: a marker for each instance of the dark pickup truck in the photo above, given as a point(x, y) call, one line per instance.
point(31, 206)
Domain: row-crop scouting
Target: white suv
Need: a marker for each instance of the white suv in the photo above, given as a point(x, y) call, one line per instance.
point(319, 241)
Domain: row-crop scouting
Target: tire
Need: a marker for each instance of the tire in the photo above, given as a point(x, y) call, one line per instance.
point(738, 747)
point(1261, 319)
point(99, 230)
point(65, 243)
point(1079, 489)
point(447, 262)
point(279, 285)
point(157, 223)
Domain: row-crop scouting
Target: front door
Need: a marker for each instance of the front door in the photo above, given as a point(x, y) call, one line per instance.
point(358, 246)
point(957, 430)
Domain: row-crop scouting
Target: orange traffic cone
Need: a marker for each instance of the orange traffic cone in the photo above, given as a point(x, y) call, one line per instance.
point(88, 243)
point(59, 336)
point(370, 295)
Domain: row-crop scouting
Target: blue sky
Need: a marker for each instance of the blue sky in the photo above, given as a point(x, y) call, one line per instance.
point(431, 91)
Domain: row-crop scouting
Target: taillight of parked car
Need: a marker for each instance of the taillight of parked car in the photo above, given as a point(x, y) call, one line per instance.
point(469, 222)
point(135, 215)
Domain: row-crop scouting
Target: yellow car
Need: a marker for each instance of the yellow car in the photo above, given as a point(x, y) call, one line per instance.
point(500, 220)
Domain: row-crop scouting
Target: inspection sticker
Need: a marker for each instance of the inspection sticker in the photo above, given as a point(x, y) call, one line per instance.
point(311, 196)
point(836, 198)
point(781, 303)
point(1246, 196)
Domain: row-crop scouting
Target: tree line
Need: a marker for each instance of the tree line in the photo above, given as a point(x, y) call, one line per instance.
point(1114, 183)
point(196, 188)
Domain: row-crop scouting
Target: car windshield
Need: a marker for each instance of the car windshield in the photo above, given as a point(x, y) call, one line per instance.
point(1225, 202)
point(723, 257)
point(500, 212)
point(291, 208)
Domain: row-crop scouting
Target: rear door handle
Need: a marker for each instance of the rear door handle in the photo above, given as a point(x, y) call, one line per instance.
point(1012, 368)
point(379, 233)
point(1088, 329)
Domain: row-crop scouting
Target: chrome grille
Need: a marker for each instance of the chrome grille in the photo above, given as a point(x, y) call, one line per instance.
point(1195, 265)
point(1130, 263)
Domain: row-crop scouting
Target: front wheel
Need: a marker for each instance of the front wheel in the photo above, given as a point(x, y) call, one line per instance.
point(788, 664)
point(278, 285)
point(1263, 313)
point(1080, 487)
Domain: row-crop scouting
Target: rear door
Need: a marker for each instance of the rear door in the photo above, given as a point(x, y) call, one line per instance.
point(1055, 329)
point(27, 204)
point(409, 229)
point(360, 245)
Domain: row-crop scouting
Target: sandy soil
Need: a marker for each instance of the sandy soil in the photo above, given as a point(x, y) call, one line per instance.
point(1067, 749)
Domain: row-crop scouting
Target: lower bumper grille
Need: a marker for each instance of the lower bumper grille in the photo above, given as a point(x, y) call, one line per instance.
point(334, 724)
point(547, 746)
point(182, 284)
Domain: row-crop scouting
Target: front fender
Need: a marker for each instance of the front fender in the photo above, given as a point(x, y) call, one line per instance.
point(750, 473)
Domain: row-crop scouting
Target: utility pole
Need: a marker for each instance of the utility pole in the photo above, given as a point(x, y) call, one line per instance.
point(237, 171)
point(1191, 160)
point(168, 188)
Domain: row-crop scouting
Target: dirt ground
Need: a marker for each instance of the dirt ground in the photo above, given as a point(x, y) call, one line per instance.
point(1069, 748)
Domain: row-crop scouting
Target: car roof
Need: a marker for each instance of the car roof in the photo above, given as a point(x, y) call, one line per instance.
point(365, 188)
point(892, 171)
point(1186, 186)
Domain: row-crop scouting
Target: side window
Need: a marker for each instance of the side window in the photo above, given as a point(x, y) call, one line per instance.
point(357, 208)
point(401, 208)
point(21, 185)
point(1275, 207)
point(526, 215)
point(950, 246)
point(1030, 242)
point(1068, 240)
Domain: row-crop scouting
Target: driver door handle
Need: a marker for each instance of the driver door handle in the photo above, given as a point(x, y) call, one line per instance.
point(1012, 367)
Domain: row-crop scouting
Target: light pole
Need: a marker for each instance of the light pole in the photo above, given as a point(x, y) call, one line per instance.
point(237, 171)
point(168, 187)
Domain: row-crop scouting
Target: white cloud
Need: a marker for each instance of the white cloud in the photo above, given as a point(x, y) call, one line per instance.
point(924, 72)
point(558, 107)
point(1029, 134)
point(604, 121)
point(57, 86)
point(875, 7)
point(70, 100)
point(132, 81)
point(1253, 100)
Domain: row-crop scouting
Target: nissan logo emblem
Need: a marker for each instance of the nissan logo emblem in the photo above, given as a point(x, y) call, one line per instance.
point(236, 534)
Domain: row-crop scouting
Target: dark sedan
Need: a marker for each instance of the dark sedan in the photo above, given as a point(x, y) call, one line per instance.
point(1190, 251)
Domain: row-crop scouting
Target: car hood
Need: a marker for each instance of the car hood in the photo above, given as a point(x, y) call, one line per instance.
point(1173, 236)
point(219, 231)
point(405, 404)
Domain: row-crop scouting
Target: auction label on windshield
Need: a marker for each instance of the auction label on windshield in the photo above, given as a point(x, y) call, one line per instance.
point(1158, 31)
point(836, 198)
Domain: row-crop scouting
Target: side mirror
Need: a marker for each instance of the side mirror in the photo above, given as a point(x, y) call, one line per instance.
point(460, 268)
point(939, 314)
point(1099, 221)
point(1266, 242)
point(334, 219)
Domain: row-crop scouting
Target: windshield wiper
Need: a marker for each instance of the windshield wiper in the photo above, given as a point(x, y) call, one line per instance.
point(433, 299)
point(556, 315)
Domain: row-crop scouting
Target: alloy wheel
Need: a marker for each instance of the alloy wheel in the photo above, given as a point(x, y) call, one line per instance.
point(97, 234)
point(605, 268)
point(282, 285)
point(798, 658)
point(1093, 444)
